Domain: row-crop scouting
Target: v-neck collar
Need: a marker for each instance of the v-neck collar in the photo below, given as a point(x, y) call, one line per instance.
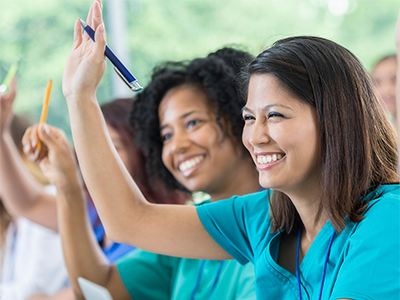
point(310, 259)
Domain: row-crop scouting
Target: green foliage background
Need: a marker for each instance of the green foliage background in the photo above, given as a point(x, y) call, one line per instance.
point(160, 30)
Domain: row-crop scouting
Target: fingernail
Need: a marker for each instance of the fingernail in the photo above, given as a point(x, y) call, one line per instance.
point(33, 143)
point(46, 129)
point(35, 156)
point(26, 147)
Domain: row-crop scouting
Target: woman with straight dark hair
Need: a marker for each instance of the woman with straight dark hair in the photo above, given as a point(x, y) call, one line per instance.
point(324, 148)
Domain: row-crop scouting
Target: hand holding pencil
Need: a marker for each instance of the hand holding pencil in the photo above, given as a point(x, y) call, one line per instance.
point(6, 103)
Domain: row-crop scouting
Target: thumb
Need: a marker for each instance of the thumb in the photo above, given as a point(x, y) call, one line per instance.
point(47, 136)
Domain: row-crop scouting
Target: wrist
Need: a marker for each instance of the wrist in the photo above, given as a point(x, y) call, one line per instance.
point(69, 184)
point(81, 98)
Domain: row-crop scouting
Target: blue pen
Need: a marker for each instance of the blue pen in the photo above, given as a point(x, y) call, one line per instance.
point(119, 67)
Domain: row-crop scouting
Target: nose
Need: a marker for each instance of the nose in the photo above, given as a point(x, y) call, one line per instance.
point(179, 142)
point(256, 134)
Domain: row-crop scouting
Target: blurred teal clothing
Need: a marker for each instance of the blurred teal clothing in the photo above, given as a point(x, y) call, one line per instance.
point(364, 262)
point(150, 276)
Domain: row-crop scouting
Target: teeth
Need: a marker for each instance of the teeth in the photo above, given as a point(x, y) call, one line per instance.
point(186, 165)
point(266, 159)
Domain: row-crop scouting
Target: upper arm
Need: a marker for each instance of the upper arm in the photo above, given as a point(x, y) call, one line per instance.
point(241, 226)
point(370, 266)
point(173, 230)
point(43, 211)
point(116, 286)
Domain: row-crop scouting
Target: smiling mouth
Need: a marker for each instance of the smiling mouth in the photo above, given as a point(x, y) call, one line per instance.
point(190, 163)
point(266, 159)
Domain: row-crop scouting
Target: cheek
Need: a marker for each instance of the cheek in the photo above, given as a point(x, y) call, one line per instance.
point(246, 138)
point(207, 136)
point(166, 159)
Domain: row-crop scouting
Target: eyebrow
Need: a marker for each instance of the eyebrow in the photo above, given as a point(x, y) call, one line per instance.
point(266, 108)
point(181, 117)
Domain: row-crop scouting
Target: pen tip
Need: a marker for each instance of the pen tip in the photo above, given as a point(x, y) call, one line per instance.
point(82, 22)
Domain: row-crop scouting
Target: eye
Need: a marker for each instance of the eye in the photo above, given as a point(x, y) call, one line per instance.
point(166, 137)
point(192, 123)
point(248, 117)
point(275, 115)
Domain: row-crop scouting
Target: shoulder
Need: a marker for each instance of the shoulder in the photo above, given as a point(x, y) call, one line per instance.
point(250, 203)
point(246, 212)
point(381, 217)
point(385, 202)
point(368, 263)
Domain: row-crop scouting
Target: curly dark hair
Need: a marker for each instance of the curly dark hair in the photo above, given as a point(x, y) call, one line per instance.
point(215, 75)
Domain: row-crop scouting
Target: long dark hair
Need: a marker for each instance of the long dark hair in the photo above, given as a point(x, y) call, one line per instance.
point(358, 149)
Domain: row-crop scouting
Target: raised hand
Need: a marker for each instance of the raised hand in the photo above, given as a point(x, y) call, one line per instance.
point(397, 39)
point(6, 103)
point(86, 64)
point(398, 31)
point(55, 158)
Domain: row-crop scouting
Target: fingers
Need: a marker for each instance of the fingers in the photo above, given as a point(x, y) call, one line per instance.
point(100, 45)
point(97, 17)
point(13, 89)
point(397, 39)
point(89, 18)
point(9, 96)
point(30, 141)
point(53, 137)
point(77, 35)
point(100, 33)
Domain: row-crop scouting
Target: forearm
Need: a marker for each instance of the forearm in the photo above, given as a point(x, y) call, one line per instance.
point(397, 39)
point(398, 91)
point(118, 200)
point(21, 193)
point(128, 218)
point(83, 255)
point(65, 294)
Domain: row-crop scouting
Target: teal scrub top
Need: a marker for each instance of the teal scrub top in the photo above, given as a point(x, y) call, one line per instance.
point(148, 276)
point(364, 261)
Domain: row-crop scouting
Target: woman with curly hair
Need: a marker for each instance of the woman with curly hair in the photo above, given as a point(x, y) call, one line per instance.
point(197, 106)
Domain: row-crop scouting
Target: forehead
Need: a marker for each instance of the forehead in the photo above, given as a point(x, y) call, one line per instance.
point(265, 90)
point(385, 67)
point(182, 100)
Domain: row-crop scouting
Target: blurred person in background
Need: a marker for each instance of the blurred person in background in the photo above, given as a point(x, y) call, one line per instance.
point(384, 78)
point(35, 204)
point(31, 258)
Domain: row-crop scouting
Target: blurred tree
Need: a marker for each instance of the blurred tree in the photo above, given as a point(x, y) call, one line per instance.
point(159, 30)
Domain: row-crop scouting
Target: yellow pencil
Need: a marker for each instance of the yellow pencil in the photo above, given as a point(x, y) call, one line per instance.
point(45, 109)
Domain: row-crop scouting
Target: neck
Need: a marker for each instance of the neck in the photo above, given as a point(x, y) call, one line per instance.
point(244, 180)
point(308, 206)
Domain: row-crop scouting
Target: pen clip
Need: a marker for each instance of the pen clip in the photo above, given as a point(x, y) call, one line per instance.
point(134, 86)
